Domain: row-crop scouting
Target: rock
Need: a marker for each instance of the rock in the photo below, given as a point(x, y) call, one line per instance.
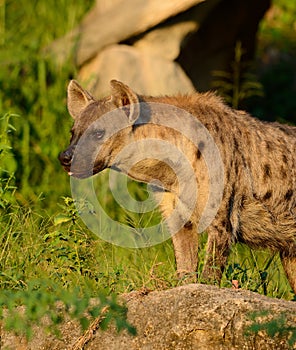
point(187, 317)
point(168, 38)
point(200, 35)
point(116, 24)
point(166, 41)
point(147, 74)
point(102, 6)
point(197, 317)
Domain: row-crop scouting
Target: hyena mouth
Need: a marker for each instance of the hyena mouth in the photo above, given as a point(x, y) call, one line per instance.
point(80, 175)
point(85, 172)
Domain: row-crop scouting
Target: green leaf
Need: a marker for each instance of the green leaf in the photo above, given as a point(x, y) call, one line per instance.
point(60, 219)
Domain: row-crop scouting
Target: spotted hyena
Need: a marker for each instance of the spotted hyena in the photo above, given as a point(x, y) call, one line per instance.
point(258, 202)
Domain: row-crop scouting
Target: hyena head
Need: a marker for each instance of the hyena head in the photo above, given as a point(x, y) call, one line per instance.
point(101, 128)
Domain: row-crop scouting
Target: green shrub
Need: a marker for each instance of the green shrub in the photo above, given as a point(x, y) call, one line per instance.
point(42, 298)
point(273, 326)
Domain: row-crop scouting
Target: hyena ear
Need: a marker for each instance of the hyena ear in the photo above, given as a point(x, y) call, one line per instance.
point(77, 99)
point(124, 96)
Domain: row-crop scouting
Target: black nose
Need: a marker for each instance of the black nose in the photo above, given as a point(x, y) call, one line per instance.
point(66, 157)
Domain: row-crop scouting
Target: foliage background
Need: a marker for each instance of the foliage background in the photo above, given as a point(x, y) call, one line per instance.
point(42, 241)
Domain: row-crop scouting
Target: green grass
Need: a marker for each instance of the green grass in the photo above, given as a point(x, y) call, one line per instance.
point(34, 247)
point(35, 88)
point(44, 245)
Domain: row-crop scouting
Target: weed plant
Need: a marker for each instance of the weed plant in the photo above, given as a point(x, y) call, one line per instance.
point(239, 84)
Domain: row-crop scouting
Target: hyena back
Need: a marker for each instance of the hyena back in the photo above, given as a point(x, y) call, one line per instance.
point(259, 159)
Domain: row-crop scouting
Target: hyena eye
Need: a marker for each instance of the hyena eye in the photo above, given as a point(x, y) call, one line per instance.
point(99, 134)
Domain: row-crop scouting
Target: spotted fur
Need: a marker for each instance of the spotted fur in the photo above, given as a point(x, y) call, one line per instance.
point(258, 206)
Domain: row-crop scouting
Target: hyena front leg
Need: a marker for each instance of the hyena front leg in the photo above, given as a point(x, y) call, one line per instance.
point(218, 248)
point(185, 240)
point(185, 243)
point(289, 265)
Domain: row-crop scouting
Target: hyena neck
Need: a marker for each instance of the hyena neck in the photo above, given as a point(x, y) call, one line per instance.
point(166, 138)
point(206, 108)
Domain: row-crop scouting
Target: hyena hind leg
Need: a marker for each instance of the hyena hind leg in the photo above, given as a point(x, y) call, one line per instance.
point(218, 248)
point(289, 265)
